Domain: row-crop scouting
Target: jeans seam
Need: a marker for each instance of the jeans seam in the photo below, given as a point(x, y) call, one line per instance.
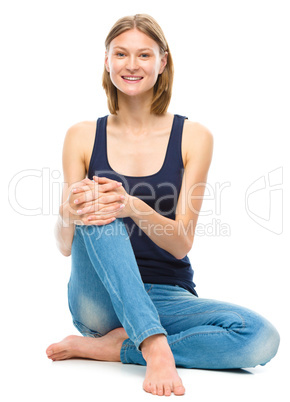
point(207, 312)
point(150, 289)
point(124, 353)
point(81, 237)
point(222, 332)
point(79, 325)
point(147, 330)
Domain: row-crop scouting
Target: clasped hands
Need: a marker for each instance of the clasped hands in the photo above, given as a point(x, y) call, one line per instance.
point(96, 202)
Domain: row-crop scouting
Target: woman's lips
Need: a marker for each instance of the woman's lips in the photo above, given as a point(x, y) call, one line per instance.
point(132, 78)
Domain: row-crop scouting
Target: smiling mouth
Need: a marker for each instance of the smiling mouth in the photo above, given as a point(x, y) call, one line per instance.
point(131, 78)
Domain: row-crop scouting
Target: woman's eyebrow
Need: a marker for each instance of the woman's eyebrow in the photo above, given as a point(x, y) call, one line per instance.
point(139, 50)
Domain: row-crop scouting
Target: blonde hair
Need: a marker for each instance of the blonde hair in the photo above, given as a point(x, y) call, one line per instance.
point(163, 87)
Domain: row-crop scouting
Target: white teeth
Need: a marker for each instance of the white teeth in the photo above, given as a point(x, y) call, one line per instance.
point(132, 78)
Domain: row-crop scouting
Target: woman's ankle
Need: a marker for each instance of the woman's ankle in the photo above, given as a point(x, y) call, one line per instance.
point(152, 344)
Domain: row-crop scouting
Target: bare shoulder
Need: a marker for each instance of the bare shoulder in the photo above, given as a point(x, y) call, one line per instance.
point(194, 131)
point(197, 141)
point(80, 131)
point(81, 135)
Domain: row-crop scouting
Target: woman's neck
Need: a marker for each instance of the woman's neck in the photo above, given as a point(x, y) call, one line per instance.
point(134, 113)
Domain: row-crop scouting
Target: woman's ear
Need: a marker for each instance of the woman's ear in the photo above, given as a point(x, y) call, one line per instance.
point(163, 62)
point(107, 62)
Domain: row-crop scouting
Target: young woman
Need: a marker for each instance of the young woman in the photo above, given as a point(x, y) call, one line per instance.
point(135, 186)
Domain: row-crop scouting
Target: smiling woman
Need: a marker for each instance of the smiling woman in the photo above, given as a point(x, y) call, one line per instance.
point(131, 67)
point(156, 47)
point(131, 222)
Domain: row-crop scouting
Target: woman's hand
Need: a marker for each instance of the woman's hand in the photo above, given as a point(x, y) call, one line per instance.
point(87, 197)
point(97, 202)
point(126, 199)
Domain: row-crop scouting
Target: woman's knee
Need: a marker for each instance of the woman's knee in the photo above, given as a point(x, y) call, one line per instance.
point(92, 316)
point(269, 343)
point(263, 343)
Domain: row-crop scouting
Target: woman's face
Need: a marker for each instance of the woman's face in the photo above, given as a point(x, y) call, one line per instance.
point(134, 62)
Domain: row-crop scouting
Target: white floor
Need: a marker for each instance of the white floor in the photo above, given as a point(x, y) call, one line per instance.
point(31, 376)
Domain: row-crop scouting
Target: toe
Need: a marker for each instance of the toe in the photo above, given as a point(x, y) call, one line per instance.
point(49, 351)
point(160, 390)
point(179, 390)
point(147, 386)
point(167, 391)
point(59, 356)
point(153, 389)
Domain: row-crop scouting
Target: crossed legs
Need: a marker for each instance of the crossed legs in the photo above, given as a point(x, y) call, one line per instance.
point(124, 320)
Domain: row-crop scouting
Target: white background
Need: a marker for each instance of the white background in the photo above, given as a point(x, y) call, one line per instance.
point(232, 75)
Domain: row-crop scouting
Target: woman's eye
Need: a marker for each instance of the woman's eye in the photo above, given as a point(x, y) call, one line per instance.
point(143, 55)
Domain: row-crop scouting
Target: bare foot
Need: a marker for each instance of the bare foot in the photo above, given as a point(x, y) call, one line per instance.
point(106, 348)
point(161, 374)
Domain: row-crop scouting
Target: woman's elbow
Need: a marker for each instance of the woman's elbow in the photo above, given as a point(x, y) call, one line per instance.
point(184, 250)
point(65, 253)
point(180, 256)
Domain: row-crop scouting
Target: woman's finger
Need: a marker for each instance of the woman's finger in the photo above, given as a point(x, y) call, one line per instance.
point(80, 188)
point(105, 180)
point(87, 180)
point(102, 222)
point(84, 197)
point(98, 208)
point(106, 211)
point(94, 192)
point(94, 218)
point(116, 207)
point(102, 180)
point(110, 186)
point(99, 222)
point(110, 198)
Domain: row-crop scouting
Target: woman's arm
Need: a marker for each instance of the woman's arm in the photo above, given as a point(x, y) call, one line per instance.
point(108, 200)
point(74, 171)
point(176, 236)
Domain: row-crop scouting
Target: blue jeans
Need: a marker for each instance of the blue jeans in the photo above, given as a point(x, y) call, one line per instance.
point(105, 291)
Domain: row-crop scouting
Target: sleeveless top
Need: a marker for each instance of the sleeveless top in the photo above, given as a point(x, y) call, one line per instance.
point(160, 191)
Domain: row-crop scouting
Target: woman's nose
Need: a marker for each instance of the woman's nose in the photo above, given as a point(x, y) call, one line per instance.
point(132, 64)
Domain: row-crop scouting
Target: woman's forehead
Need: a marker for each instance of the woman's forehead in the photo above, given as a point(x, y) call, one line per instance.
point(134, 38)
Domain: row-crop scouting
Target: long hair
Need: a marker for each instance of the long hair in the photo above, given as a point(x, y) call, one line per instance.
point(162, 90)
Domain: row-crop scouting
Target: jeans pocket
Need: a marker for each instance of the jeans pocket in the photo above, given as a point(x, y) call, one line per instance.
point(148, 287)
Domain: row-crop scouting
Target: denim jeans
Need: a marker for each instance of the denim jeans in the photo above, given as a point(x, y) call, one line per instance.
point(105, 291)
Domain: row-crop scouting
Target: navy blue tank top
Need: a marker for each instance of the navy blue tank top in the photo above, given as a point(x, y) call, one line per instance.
point(160, 191)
